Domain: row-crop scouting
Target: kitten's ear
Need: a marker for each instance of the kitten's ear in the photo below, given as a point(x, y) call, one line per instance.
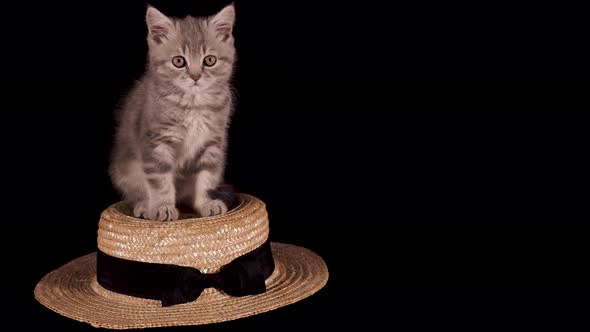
point(223, 22)
point(160, 27)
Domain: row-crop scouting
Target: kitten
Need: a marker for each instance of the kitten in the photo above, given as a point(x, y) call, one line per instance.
point(172, 133)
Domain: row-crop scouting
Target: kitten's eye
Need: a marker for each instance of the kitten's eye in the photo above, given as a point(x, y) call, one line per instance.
point(210, 60)
point(178, 61)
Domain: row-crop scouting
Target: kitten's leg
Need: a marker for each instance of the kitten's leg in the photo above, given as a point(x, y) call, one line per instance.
point(207, 179)
point(160, 183)
point(129, 178)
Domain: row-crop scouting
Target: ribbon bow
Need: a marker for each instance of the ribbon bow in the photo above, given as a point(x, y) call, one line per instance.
point(174, 284)
point(238, 278)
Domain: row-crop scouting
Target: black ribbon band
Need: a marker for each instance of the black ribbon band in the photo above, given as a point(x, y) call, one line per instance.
point(174, 284)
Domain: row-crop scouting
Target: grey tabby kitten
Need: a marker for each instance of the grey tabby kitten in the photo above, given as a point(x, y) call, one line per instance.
point(171, 139)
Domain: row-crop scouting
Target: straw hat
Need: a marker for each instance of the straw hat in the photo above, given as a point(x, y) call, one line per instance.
point(203, 246)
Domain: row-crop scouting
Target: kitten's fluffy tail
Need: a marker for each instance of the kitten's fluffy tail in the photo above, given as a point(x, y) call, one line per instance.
point(226, 193)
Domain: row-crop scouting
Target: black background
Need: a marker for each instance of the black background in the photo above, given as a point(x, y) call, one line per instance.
point(433, 154)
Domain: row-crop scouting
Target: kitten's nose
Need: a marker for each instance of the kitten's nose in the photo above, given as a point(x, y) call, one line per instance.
point(195, 77)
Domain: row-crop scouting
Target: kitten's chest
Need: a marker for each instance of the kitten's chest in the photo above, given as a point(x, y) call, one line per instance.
point(196, 131)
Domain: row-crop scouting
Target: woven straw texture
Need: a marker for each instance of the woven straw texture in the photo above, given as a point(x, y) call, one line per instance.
point(203, 243)
point(72, 290)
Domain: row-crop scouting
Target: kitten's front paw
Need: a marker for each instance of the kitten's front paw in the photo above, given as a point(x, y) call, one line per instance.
point(140, 210)
point(165, 212)
point(212, 208)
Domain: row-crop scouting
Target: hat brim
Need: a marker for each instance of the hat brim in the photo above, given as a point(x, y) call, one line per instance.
point(72, 291)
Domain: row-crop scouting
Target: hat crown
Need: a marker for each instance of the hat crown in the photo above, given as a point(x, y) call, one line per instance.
point(206, 243)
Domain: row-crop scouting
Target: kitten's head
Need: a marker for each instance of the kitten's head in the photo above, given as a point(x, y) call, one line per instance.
point(195, 55)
